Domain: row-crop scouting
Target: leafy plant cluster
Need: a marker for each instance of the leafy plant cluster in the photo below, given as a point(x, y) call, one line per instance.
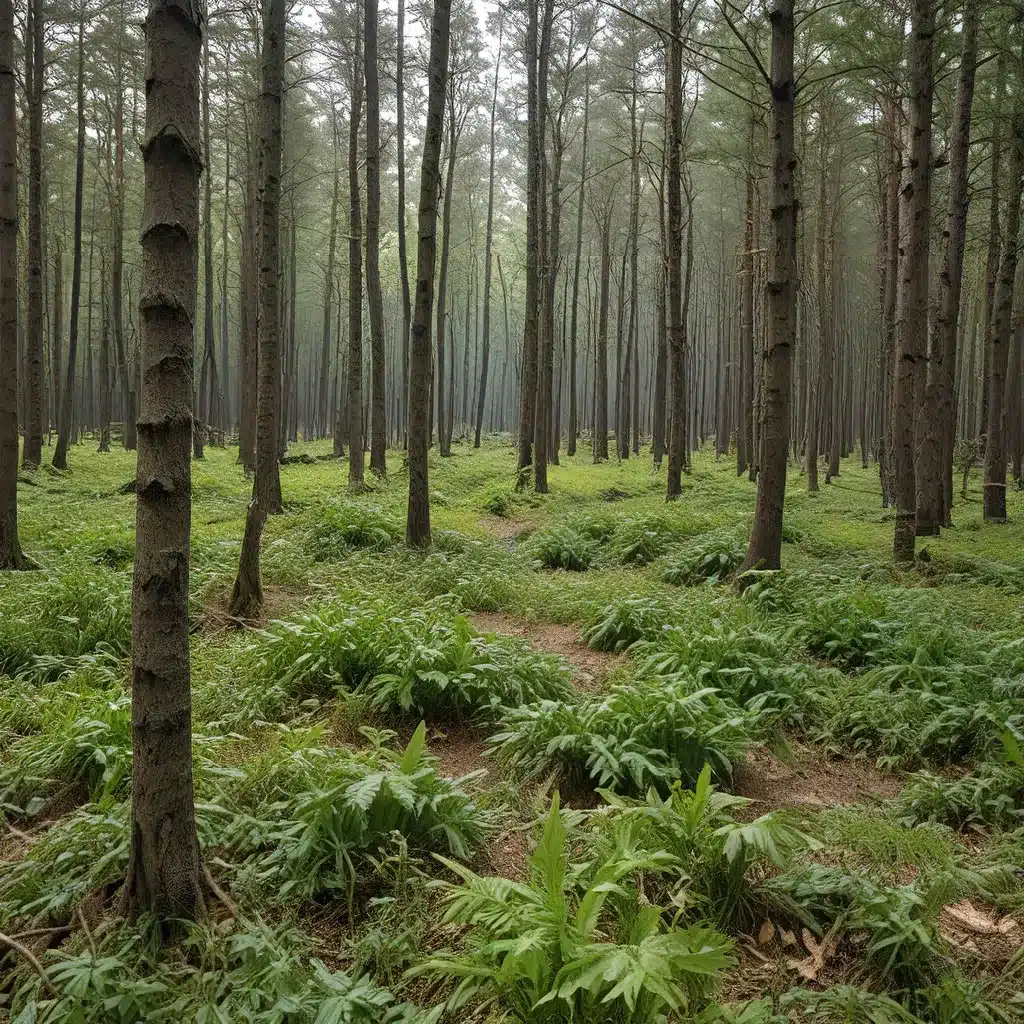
point(397, 663)
point(642, 733)
point(340, 527)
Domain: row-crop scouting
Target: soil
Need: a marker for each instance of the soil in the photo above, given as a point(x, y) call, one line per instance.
point(810, 780)
point(507, 529)
point(278, 602)
point(589, 668)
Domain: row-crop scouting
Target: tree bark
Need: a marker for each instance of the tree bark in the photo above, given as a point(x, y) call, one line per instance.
point(323, 417)
point(11, 556)
point(936, 425)
point(403, 261)
point(485, 359)
point(999, 334)
point(600, 431)
point(573, 413)
point(247, 595)
point(418, 516)
point(674, 228)
point(765, 549)
point(164, 874)
point(356, 454)
point(378, 416)
point(60, 452)
point(912, 304)
point(35, 392)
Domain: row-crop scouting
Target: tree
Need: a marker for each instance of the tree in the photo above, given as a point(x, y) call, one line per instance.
point(378, 423)
point(35, 397)
point(765, 548)
point(912, 298)
point(418, 518)
point(674, 256)
point(10, 547)
point(356, 453)
point(403, 262)
point(935, 425)
point(164, 874)
point(247, 595)
point(60, 452)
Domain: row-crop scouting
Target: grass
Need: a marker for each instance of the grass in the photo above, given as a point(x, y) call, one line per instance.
point(321, 799)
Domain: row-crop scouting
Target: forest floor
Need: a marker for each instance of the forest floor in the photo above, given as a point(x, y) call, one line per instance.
point(859, 859)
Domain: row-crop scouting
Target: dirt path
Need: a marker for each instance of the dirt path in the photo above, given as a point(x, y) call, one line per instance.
point(810, 781)
point(590, 668)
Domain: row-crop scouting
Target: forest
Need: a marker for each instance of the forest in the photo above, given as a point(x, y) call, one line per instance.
point(511, 511)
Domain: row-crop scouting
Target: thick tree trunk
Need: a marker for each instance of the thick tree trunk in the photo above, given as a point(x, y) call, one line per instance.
point(105, 382)
point(247, 595)
point(227, 415)
point(745, 434)
point(580, 199)
point(485, 360)
point(418, 516)
point(999, 335)
point(164, 875)
point(64, 424)
point(11, 556)
point(765, 549)
point(935, 427)
point(912, 302)
point(356, 452)
point(248, 357)
point(378, 416)
point(995, 197)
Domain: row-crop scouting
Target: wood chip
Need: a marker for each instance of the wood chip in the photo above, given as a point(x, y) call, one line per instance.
point(766, 934)
point(966, 915)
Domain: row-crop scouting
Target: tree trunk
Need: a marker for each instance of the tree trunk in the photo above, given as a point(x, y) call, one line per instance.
point(164, 874)
point(418, 517)
point(999, 335)
point(912, 323)
point(600, 431)
point(378, 417)
point(105, 382)
point(488, 255)
point(10, 546)
point(765, 549)
point(441, 371)
point(745, 434)
point(60, 452)
point(531, 324)
point(403, 261)
point(573, 413)
point(35, 390)
point(674, 257)
point(247, 595)
point(935, 427)
point(323, 415)
point(356, 454)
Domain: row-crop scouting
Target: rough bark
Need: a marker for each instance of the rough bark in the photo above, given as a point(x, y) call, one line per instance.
point(935, 425)
point(247, 594)
point(164, 875)
point(206, 405)
point(573, 325)
point(67, 403)
point(11, 556)
point(403, 261)
point(673, 230)
point(323, 414)
point(356, 452)
point(485, 357)
point(378, 399)
point(600, 431)
point(765, 549)
point(418, 516)
point(912, 300)
point(999, 335)
point(35, 395)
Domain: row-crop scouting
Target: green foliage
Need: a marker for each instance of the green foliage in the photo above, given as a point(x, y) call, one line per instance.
point(297, 827)
point(560, 547)
point(544, 951)
point(640, 541)
point(717, 857)
point(49, 619)
point(712, 558)
point(340, 527)
point(993, 794)
point(639, 735)
point(848, 630)
point(258, 975)
point(622, 622)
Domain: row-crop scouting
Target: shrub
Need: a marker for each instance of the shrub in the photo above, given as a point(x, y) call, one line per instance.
point(641, 734)
point(344, 526)
point(560, 547)
point(848, 630)
point(709, 559)
point(622, 622)
point(544, 950)
point(991, 795)
point(499, 501)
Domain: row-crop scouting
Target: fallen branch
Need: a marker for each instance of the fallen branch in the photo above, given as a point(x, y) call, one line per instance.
point(219, 893)
point(6, 940)
point(88, 934)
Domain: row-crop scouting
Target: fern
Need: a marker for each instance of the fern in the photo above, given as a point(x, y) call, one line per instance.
point(709, 559)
